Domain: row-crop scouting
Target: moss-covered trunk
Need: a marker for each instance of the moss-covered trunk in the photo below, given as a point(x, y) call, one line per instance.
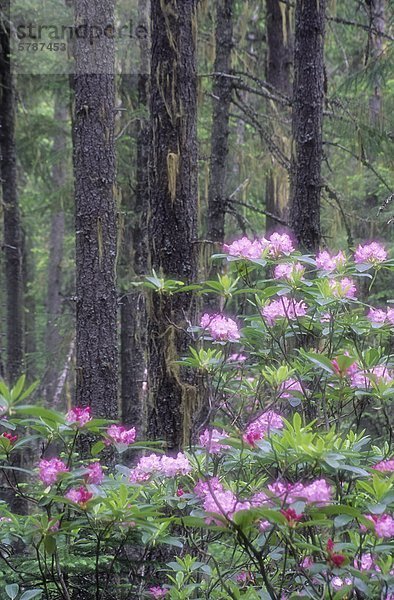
point(172, 219)
point(95, 217)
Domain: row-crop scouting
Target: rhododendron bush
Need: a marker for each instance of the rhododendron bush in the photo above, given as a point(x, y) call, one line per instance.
point(287, 491)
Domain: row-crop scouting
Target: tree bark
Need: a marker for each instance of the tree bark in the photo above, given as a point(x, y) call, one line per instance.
point(12, 221)
point(53, 336)
point(307, 122)
point(94, 166)
point(279, 74)
point(133, 305)
point(172, 215)
point(221, 91)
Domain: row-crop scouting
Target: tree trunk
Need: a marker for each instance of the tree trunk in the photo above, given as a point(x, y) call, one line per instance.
point(53, 337)
point(279, 75)
point(133, 306)
point(172, 215)
point(307, 122)
point(28, 276)
point(221, 91)
point(94, 166)
point(12, 224)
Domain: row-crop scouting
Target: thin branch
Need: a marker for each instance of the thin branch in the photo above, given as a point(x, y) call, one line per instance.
point(260, 211)
point(361, 26)
point(364, 161)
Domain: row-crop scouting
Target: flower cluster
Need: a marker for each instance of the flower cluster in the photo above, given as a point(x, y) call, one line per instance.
point(283, 308)
point(79, 495)
point(164, 465)
point(380, 316)
point(383, 525)
point(373, 253)
point(276, 245)
point(343, 288)
point(360, 378)
point(326, 262)
point(78, 416)
point(318, 492)
point(221, 328)
point(118, 434)
point(211, 440)
point(95, 473)
point(289, 271)
point(385, 466)
point(49, 470)
point(259, 428)
point(244, 248)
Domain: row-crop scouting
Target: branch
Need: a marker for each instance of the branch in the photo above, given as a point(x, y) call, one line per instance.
point(364, 161)
point(361, 26)
point(259, 210)
point(253, 120)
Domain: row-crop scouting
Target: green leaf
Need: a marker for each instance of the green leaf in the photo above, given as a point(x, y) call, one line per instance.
point(12, 590)
point(29, 594)
point(320, 360)
point(97, 448)
point(40, 412)
point(50, 544)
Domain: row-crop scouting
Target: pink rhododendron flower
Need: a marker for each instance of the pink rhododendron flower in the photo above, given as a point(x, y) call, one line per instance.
point(118, 434)
point(166, 465)
point(385, 466)
point(333, 558)
point(366, 563)
point(343, 288)
point(170, 466)
point(50, 469)
point(79, 495)
point(259, 499)
point(289, 271)
point(307, 562)
point(237, 358)
point(342, 372)
point(283, 308)
point(259, 428)
point(202, 488)
point(337, 583)
point(289, 386)
point(147, 465)
point(211, 441)
point(384, 525)
point(326, 262)
point(11, 438)
point(78, 416)
point(158, 592)
point(376, 315)
point(390, 315)
point(264, 526)
point(278, 244)
point(370, 253)
point(221, 328)
point(244, 248)
point(95, 473)
point(291, 516)
point(243, 576)
point(318, 492)
point(360, 379)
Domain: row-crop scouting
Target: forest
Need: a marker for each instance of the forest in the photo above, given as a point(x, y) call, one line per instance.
point(196, 299)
